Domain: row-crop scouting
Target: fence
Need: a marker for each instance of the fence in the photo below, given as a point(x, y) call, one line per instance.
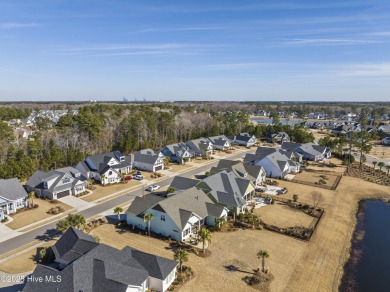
point(332, 187)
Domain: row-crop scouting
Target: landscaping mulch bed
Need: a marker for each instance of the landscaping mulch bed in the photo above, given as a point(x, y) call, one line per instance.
point(368, 174)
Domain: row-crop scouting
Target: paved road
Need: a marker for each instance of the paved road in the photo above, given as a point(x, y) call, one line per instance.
point(48, 229)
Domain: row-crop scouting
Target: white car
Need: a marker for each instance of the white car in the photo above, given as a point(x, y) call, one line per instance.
point(138, 177)
point(153, 188)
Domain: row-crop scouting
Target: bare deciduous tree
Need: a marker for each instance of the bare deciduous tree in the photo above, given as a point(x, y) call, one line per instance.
point(317, 198)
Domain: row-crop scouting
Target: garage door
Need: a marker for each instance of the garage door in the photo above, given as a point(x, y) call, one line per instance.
point(63, 194)
point(158, 168)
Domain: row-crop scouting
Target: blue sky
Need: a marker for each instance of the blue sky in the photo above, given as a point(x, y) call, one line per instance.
point(195, 50)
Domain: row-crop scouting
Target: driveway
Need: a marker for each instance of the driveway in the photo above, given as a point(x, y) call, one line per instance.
point(76, 202)
point(6, 232)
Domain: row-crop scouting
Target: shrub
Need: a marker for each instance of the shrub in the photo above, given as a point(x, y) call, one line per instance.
point(4, 220)
point(36, 206)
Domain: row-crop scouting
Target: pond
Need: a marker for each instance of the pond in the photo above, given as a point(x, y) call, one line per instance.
point(369, 264)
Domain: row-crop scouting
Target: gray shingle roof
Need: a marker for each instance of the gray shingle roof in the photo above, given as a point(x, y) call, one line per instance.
point(104, 268)
point(141, 204)
point(219, 140)
point(99, 162)
point(73, 244)
point(11, 189)
point(147, 156)
point(227, 187)
point(178, 149)
point(243, 137)
point(183, 183)
point(180, 206)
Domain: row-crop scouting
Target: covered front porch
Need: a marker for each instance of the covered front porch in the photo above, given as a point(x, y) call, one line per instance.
point(190, 233)
point(7, 206)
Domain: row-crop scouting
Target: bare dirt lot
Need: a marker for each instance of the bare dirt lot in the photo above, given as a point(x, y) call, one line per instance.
point(283, 216)
point(179, 167)
point(32, 215)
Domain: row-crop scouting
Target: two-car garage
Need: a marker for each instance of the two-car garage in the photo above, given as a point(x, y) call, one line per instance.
point(63, 194)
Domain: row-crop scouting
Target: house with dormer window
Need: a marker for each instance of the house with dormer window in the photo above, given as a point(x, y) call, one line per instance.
point(179, 216)
point(149, 160)
point(57, 183)
point(106, 168)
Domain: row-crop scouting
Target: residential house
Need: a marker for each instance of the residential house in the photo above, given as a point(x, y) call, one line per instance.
point(245, 139)
point(278, 137)
point(107, 167)
point(256, 174)
point(178, 153)
point(57, 183)
point(85, 265)
point(309, 151)
point(178, 216)
point(263, 113)
point(148, 160)
point(384, 128)
point(200, 147)
point(227, 189)
point(276, 162)
point(12, 196)
point(220, 142)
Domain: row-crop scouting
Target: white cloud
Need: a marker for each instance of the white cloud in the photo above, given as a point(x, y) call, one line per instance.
point(367, 70)
point(16, 25)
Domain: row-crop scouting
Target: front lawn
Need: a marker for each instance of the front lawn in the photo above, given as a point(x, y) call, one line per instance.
point(101, 192)
point(24, 218)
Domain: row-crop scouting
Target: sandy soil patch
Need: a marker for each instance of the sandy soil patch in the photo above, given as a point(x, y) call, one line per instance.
point(283, 216)
point(24, 262)
point(322, 167)
point(231, 248)
point(101, 192)
point(33, 215)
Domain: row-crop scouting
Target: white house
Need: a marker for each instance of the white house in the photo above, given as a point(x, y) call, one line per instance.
point(276, 162)
point(148, 160)
point(57, 183)
point(177, 153)
point(309, 151)
point(12, 196)
point(179, 216)
point(254, 173)
point(200, 147)
point(220, 142)
point(107, 167)
point(85, 265)
point(245, 139)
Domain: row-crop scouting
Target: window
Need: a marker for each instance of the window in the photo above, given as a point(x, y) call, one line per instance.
point(66, 180)
point(110, 172)
point(162, 218)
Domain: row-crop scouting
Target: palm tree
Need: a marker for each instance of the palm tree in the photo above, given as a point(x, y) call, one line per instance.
point(253, 220)
point(388, 168)
point(30, 198)
point(374, 163)
point(89, 182)
point(181, 255)
point(102, 178)
point(381, 164)
point(147, 218)
point(220, 222)
point(204, 235)
point(117, 211)
point(295, 198)
point(122, 176)
point(263, 254)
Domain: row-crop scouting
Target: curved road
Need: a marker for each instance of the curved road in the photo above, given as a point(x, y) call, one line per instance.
point(42, 232)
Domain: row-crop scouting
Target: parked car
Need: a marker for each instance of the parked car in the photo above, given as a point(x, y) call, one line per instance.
point(138, 177)
point(153, 188)
point(282, 191)
point(127, 178)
